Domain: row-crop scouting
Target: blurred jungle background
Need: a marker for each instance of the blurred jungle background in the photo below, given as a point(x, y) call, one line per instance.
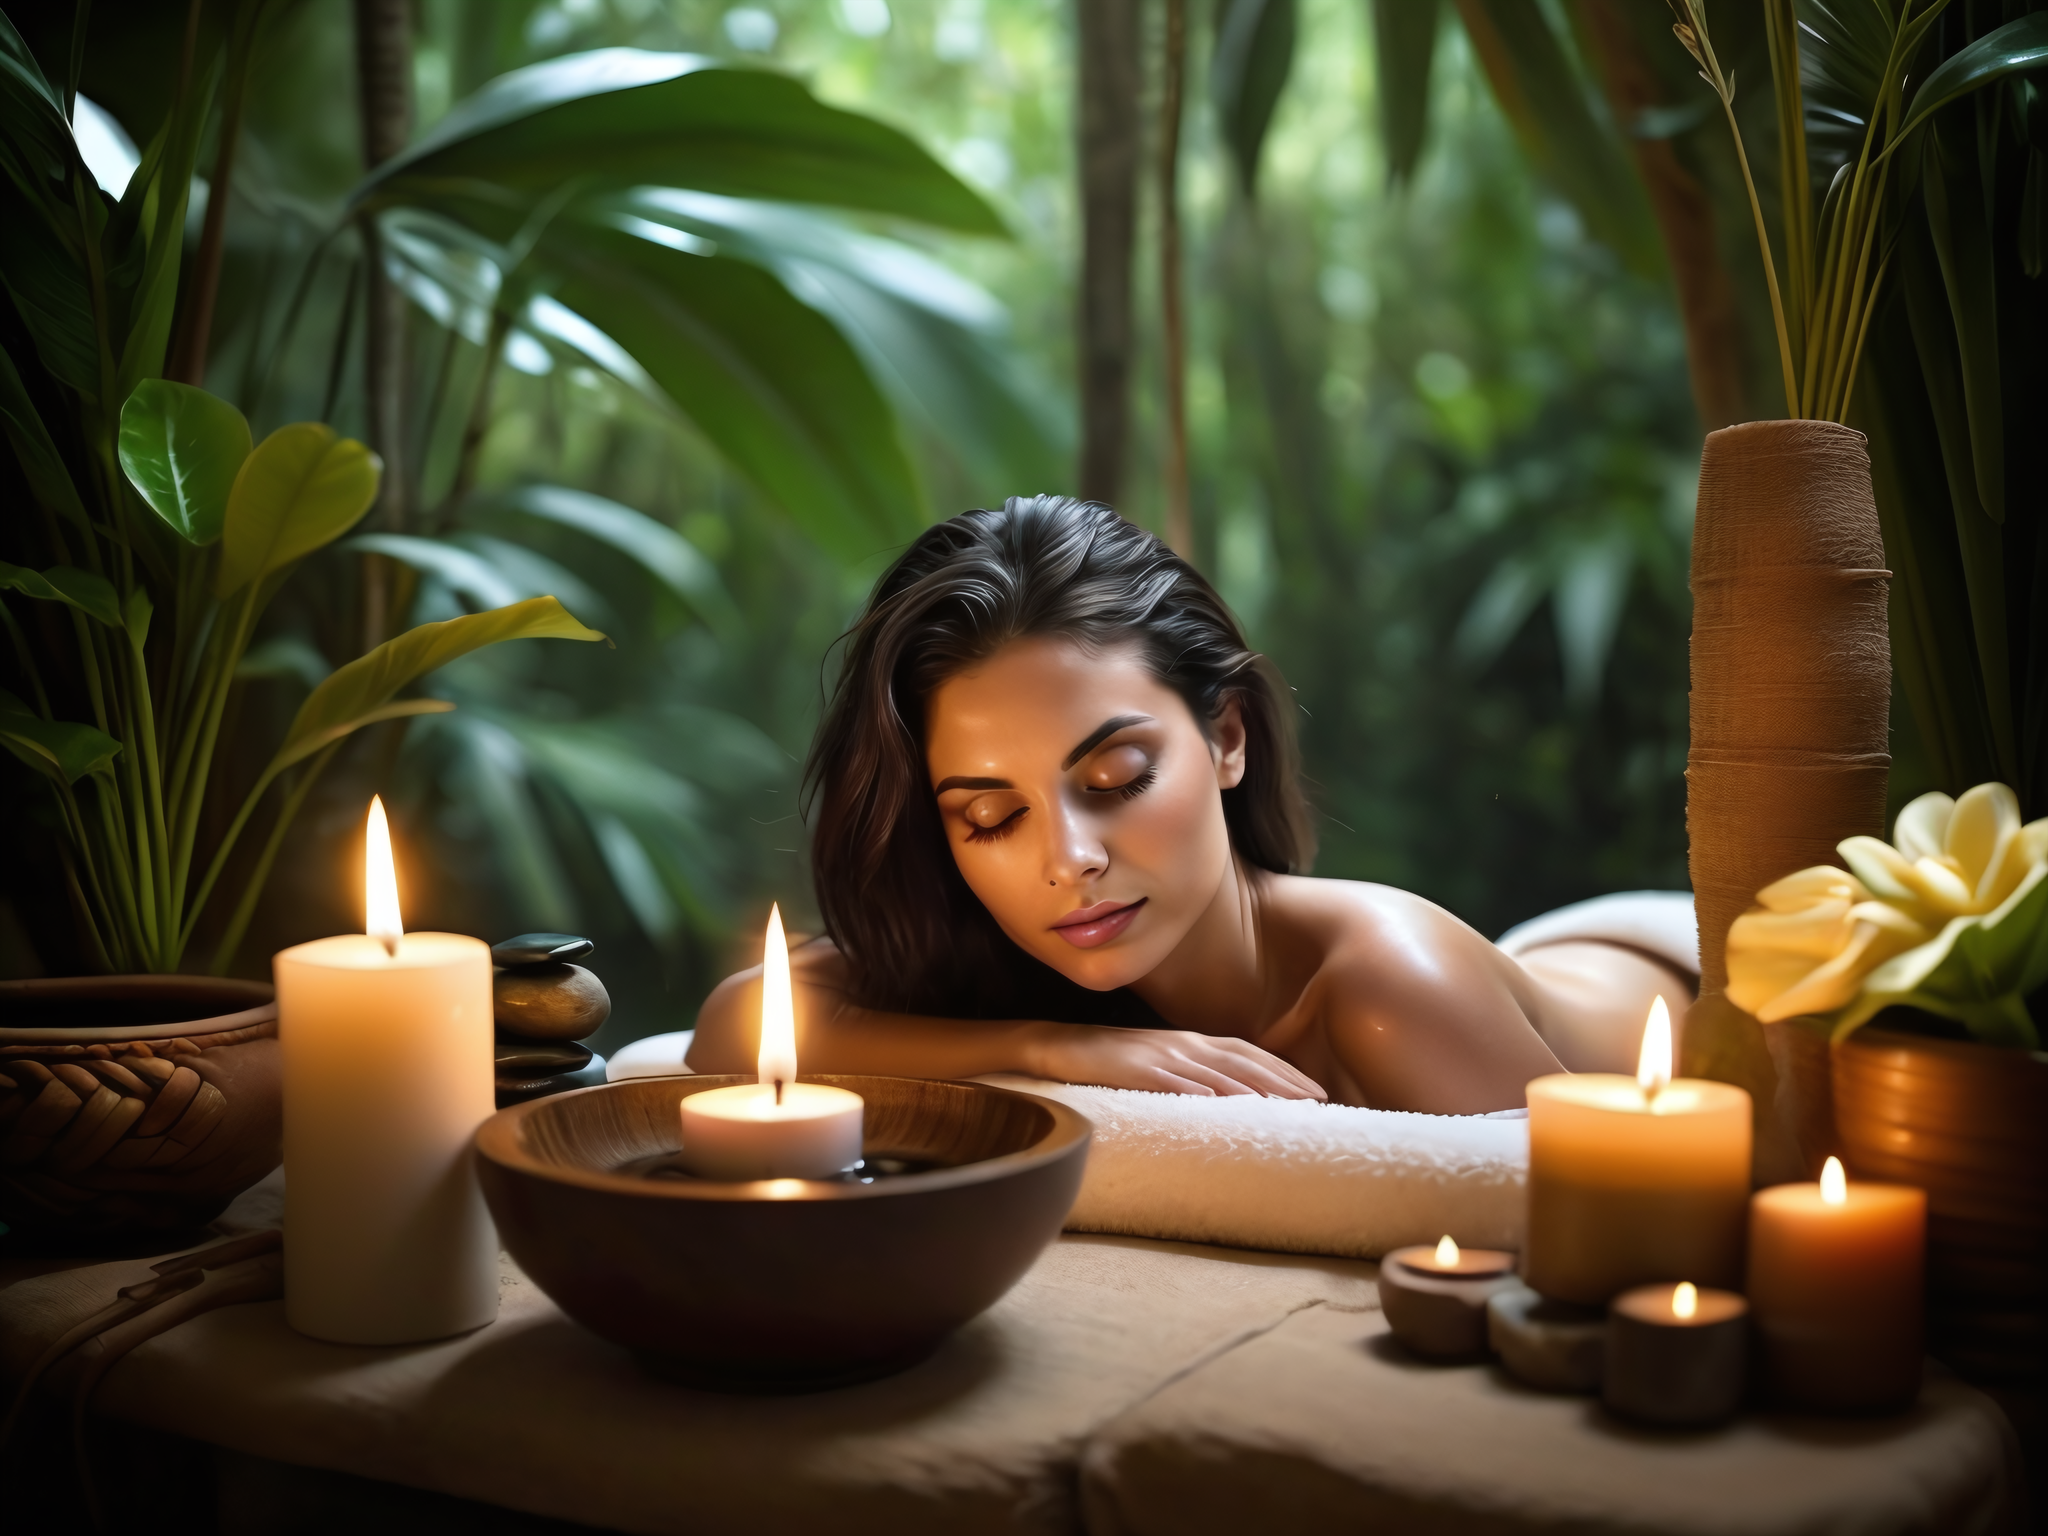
point(1441, 434)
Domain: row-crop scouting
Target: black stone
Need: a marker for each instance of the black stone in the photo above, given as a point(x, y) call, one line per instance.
point(517, 1090)
point(532, 1058)
point(540, 948)
point(548, 1002)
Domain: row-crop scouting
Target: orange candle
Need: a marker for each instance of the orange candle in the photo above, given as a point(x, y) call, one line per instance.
point(1633, 1180)
point(1835, 1276)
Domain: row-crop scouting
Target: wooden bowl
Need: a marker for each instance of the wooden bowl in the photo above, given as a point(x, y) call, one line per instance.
point(782, 1284)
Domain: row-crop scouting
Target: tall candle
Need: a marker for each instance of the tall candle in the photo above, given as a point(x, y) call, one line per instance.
point(1635, 1180)
point(386, 1040)
point(1835, 1274)
point(776, 1128)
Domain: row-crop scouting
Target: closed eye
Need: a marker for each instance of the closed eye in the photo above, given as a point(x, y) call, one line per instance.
point(1002, 829)
point(1131, 790)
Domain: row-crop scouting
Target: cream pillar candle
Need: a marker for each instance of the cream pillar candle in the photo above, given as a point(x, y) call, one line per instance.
point(777, 1128)
point(1835, 1276)
point(1635, 1180)
point(386, 1040)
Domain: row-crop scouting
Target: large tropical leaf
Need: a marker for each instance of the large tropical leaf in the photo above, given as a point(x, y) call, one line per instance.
point(659, 549)
point(1404, 49)
point(2018, 47)
point(937, 343)
point(1247, 72)
point(1545, 98)
point(766, 378)
point(182, 449)
point(351, 696)
point(303, 487)
point(623, 117)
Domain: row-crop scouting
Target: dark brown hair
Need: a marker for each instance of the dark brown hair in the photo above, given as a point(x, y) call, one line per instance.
point(915, 936)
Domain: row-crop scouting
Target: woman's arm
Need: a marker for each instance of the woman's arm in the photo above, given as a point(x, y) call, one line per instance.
point(836, 1035)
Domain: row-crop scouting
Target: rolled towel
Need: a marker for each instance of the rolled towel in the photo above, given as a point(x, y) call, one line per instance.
point(1291, 1174)
point(1660, 923)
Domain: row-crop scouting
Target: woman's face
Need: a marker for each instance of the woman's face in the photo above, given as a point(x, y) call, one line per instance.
point(1083, 803)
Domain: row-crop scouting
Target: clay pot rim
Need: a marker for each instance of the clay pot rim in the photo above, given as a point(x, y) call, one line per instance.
point(499, 1141)
point(259, 996)
point(1874, 1037)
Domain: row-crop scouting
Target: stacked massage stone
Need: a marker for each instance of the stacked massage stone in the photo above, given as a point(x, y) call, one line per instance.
point(543, 1004)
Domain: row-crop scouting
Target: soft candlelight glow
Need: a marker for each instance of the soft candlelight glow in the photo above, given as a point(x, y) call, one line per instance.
point(774, 1129)
point(381, 920)
point(1447, 1252)
point(1685, 1299)
point(1653, 1066)
point(776, 1062)
point(1834, 1184)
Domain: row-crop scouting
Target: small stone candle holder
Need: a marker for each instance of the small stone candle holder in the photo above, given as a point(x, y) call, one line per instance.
point(1435, 1298)
point(1552, 1346)
point(1676, 1355)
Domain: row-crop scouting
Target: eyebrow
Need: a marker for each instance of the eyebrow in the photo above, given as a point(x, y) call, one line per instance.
point(1094, 739)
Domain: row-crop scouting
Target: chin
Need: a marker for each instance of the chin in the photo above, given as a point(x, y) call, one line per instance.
point(1102, 970)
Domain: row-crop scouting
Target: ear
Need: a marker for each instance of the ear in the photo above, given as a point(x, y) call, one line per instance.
point(1227, 744)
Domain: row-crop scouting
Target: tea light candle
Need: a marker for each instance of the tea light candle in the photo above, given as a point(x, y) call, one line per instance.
point(1635, 1180)
point(1435, 1298)
point(387, 1046)
point(777, 1128)
point(1553, 1346)
point(1675, 1354)
point(1835, 1277)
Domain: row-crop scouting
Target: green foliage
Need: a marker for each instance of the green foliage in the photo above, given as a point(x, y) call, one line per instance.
point(299, 490)
point(181, 449)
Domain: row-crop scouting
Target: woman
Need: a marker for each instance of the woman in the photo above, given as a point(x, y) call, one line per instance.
point(1056, 829)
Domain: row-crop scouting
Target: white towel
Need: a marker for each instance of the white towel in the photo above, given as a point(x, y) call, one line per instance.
point(1292, 1174)
point(1662, 923)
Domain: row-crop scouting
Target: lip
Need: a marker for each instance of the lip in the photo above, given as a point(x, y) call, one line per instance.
point(1097, 924)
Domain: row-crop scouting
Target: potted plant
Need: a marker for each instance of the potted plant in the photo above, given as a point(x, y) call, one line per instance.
point(1915, 962)
point(154, 536)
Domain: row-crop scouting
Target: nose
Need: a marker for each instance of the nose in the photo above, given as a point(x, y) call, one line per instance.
point(1076, 853)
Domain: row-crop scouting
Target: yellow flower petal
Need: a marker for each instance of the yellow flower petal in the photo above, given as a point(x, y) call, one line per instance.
point(1881, 867)
point(1981, 818)
point(1940, 886)
point(1819, 932)
point(1882, 914)
point(1922, 828)
point(1801, 890)
point(1833, 985)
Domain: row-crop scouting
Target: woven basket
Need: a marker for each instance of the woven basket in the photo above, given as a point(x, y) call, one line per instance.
point(134, 1103)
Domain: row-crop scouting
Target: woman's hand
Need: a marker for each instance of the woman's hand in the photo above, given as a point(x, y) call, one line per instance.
point(1165, 1061)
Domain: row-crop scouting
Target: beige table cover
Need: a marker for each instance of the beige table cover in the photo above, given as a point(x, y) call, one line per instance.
point(1173, 1388)
point(1323, 1425)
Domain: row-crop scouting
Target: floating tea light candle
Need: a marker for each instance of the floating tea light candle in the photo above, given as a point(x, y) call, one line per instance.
point(386, 1044)
point(1435, 1298)
point(1835, 1274)
point(777, 1128)
point(1632, 1180)
point(1675, 1354)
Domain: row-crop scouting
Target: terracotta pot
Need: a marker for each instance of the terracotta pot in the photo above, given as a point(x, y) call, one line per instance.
point(1969, 1124)
point(134, 1103)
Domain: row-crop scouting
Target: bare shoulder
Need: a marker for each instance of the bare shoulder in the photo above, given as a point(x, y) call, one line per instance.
point(1377, 945)
point(728, 1024)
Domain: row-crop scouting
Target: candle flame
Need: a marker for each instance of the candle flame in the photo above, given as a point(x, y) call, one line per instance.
point(1685, 1299)
point(381, 920)
point(1834, 1184)
point(777, 1061)
point(1653, 1067)
point(1447, 1252)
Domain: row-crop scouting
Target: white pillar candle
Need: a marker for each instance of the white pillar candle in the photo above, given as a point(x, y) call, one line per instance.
point(387, 1046)
point(777, 1128)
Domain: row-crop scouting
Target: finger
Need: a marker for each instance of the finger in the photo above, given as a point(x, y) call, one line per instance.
point(1220, 1081)
point(1277, 1069)
point(1162, 1081)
